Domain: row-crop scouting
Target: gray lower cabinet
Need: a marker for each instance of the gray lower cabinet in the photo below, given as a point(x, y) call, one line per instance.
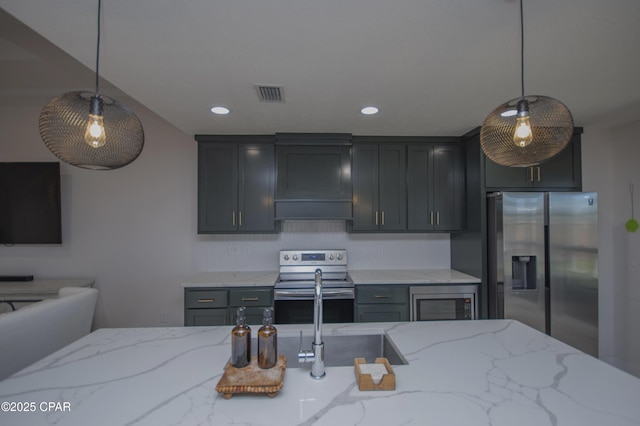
point(382, 303)
point(236, 184)
point(435, 182)
point(379, 187)
point(197, 317)
point(206, 306)
point(254, 299)
point(219, 305)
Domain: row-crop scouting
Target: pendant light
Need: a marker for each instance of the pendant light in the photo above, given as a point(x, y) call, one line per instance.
point(528, 130)
point(90, 130)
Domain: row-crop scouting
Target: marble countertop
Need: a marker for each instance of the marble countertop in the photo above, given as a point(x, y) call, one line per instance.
point(230, 279)
point(486, 372)
point(412, 276)
point(387, 276)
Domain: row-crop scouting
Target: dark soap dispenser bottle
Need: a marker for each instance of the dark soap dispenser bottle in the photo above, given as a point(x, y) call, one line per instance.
point(241, 341)
point(267, 342)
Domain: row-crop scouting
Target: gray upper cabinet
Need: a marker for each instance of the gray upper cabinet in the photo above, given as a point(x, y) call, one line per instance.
point(379, 187)
point(236, 184)
point(313, 176)
point(217, 187)
point(248, 184)
point(314, 172)
point(562, 172)
point(392, 185)
point(435, 180)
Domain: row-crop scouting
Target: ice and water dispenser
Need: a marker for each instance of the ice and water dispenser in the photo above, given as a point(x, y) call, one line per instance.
point(523, 273)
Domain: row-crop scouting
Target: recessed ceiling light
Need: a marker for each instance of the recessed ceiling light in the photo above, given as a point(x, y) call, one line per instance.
point(369, 110)
point(220, 110)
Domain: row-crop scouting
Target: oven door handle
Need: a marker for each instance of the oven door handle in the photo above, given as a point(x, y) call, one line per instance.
point(338, 293)
point(328, 293)
point(290, 294)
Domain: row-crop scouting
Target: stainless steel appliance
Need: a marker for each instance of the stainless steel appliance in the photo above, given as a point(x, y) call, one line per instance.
point(443, 302)
point(294, 288)
point(543, 263)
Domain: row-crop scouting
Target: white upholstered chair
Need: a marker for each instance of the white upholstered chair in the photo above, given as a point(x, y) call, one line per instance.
point(35, 331)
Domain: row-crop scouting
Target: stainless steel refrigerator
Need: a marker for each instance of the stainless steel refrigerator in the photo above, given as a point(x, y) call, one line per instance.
point(543, 263)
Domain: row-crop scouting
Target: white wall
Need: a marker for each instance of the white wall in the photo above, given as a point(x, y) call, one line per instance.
point(130, 229)
point(610, 162)
point(133, 230)
point(366, 251)
point(626, 251)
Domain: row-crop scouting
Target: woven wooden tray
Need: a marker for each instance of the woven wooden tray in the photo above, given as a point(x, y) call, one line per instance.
point(252, 379)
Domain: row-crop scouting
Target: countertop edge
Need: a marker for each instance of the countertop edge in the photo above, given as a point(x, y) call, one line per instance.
point(434, 276)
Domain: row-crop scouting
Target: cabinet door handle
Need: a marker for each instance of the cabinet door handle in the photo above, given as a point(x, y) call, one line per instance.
point(206, 300)
point(249, 299)
point(430, 218)
point(376, 217)
point(382, 217)
point(381, 296)
point(530, 174)
point(437, 218)
point(538, 173)
point(240, 218)
point(233, 218)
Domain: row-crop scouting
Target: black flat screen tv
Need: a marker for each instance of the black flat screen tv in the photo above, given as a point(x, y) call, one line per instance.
point(30, 211)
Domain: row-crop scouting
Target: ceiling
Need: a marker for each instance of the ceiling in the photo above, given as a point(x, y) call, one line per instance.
point(433, 67)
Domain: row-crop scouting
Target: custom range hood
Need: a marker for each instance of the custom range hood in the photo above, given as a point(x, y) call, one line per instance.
point(313, 176)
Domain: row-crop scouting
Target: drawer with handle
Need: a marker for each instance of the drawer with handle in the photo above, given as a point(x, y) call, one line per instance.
point(382, 294)
point(205, 298)
point(251, 297)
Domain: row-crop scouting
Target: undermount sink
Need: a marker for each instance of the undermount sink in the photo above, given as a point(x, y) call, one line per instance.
point(340, 350)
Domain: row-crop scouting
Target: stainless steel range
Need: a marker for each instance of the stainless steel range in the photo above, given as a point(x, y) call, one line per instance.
point(293, 290)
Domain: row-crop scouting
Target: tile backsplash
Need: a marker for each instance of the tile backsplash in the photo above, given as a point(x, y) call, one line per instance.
point(257, 252)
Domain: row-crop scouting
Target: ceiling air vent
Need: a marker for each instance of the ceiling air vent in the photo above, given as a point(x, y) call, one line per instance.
point(270, 93)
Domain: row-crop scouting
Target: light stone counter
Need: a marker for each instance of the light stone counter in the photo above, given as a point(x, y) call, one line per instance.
point(387, 276)
point(412, 276)
point(497, 373)
point(231, 279)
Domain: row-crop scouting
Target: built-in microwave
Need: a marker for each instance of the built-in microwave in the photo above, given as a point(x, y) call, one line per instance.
point(443, 302)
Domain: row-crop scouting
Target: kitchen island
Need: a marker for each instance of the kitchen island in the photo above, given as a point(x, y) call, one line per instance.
point(487, 372)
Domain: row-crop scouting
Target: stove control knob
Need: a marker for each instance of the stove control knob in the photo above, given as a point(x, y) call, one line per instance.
point(286, 257)
point(330, 257)
point(339, 256)
point(295, 257)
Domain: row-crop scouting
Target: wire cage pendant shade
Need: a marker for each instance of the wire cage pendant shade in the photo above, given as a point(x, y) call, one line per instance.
point(63, 125)
point(90, 130)
point(528, 130)
point(551, 126)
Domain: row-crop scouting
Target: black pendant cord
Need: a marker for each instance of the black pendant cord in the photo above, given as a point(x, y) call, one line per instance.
point(98, 49)
point(522, 49)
